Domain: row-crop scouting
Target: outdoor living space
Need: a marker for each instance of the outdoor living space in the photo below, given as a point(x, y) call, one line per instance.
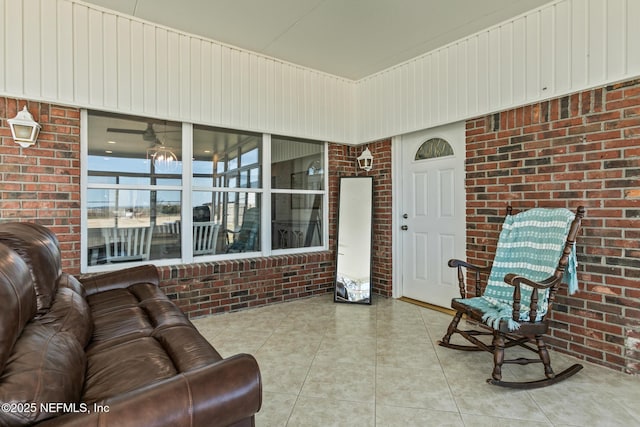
point(379, 365)
point(208, 143)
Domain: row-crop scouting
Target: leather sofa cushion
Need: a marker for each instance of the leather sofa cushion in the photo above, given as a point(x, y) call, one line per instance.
point(69, 313)
point(38, 247)
point(163, 313)
point(108, 301)
point(186, 347)
point(109, 370)
point(130, 313)
point(124, 324)
point(45, 366)
point(147, 334)
point(18, 300)
point(129, 296)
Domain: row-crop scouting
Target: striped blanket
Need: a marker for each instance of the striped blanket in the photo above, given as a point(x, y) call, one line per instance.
point(530, 245)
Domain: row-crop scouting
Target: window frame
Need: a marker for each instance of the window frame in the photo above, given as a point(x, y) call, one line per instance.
point(186, 188)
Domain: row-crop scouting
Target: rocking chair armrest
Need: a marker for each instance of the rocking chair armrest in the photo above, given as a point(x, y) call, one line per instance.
point(459, 263)
point(515, 280)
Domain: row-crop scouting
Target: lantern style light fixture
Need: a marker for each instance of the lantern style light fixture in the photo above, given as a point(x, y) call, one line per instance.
point(24, 129)
point(365, 160)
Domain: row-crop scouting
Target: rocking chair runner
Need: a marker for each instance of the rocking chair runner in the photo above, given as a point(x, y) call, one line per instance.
point(535, 250)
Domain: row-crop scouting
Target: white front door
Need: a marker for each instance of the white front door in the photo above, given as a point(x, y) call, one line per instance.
point(433, 212)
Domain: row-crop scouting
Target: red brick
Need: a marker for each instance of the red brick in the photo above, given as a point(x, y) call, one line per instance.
point(598, 137)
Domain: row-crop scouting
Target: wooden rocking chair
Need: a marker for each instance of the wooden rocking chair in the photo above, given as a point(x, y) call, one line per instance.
point(535, 250)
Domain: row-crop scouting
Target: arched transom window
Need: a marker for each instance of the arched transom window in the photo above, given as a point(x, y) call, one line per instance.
point(432, 148)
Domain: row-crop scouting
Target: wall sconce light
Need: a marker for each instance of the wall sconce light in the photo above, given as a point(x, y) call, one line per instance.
point(365, 160)
point(24, 129)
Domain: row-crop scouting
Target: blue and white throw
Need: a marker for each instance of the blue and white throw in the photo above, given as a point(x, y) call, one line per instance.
point(530, 245)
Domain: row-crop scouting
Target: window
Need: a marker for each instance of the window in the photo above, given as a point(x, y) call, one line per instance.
point(227, 191)
point(244, 193)
point(297, 199)
point(433, 148)
point(134, 183)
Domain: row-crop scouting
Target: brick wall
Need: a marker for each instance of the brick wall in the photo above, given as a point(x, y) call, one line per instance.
point(201, 289)
point(208, 288)
point(343, 163)
point(582, 149)
point(579, 149)
point(382, 215)
point(42, 183)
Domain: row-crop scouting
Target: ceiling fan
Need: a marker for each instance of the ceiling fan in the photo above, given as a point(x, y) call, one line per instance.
point(148, 134)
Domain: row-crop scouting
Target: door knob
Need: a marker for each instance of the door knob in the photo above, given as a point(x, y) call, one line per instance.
point(404, 228)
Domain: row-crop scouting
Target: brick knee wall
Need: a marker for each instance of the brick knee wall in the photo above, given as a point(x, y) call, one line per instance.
point(208, 288)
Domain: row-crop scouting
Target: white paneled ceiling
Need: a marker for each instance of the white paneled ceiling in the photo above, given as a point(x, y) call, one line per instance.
point(346, 38)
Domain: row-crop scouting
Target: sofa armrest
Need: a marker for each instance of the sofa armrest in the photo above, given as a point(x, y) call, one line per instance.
point(120, 279)
point(220, 394)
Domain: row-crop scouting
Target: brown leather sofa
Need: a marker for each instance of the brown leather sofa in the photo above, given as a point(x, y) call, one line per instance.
point(111, 350)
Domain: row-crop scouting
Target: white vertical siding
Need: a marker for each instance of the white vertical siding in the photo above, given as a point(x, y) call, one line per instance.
point(64, 63)
point(471, 75)
point(32, 39)
point(66, 52)
point(3, 51)
point(633, 35)
point(616, 48)
point(49, 50)
point(137, 52)
point(95, 54)
point(14, 61)
point(482, 77)
point(579, 43)
point(125, 64)
point(547, 48)
point(563, 47)
point(519, 69)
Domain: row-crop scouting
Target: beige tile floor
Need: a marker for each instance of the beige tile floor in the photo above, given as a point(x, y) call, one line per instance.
point(327, 364)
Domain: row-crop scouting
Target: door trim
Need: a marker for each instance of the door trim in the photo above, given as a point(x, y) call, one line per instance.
point(397, 206)
point(396, 197)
